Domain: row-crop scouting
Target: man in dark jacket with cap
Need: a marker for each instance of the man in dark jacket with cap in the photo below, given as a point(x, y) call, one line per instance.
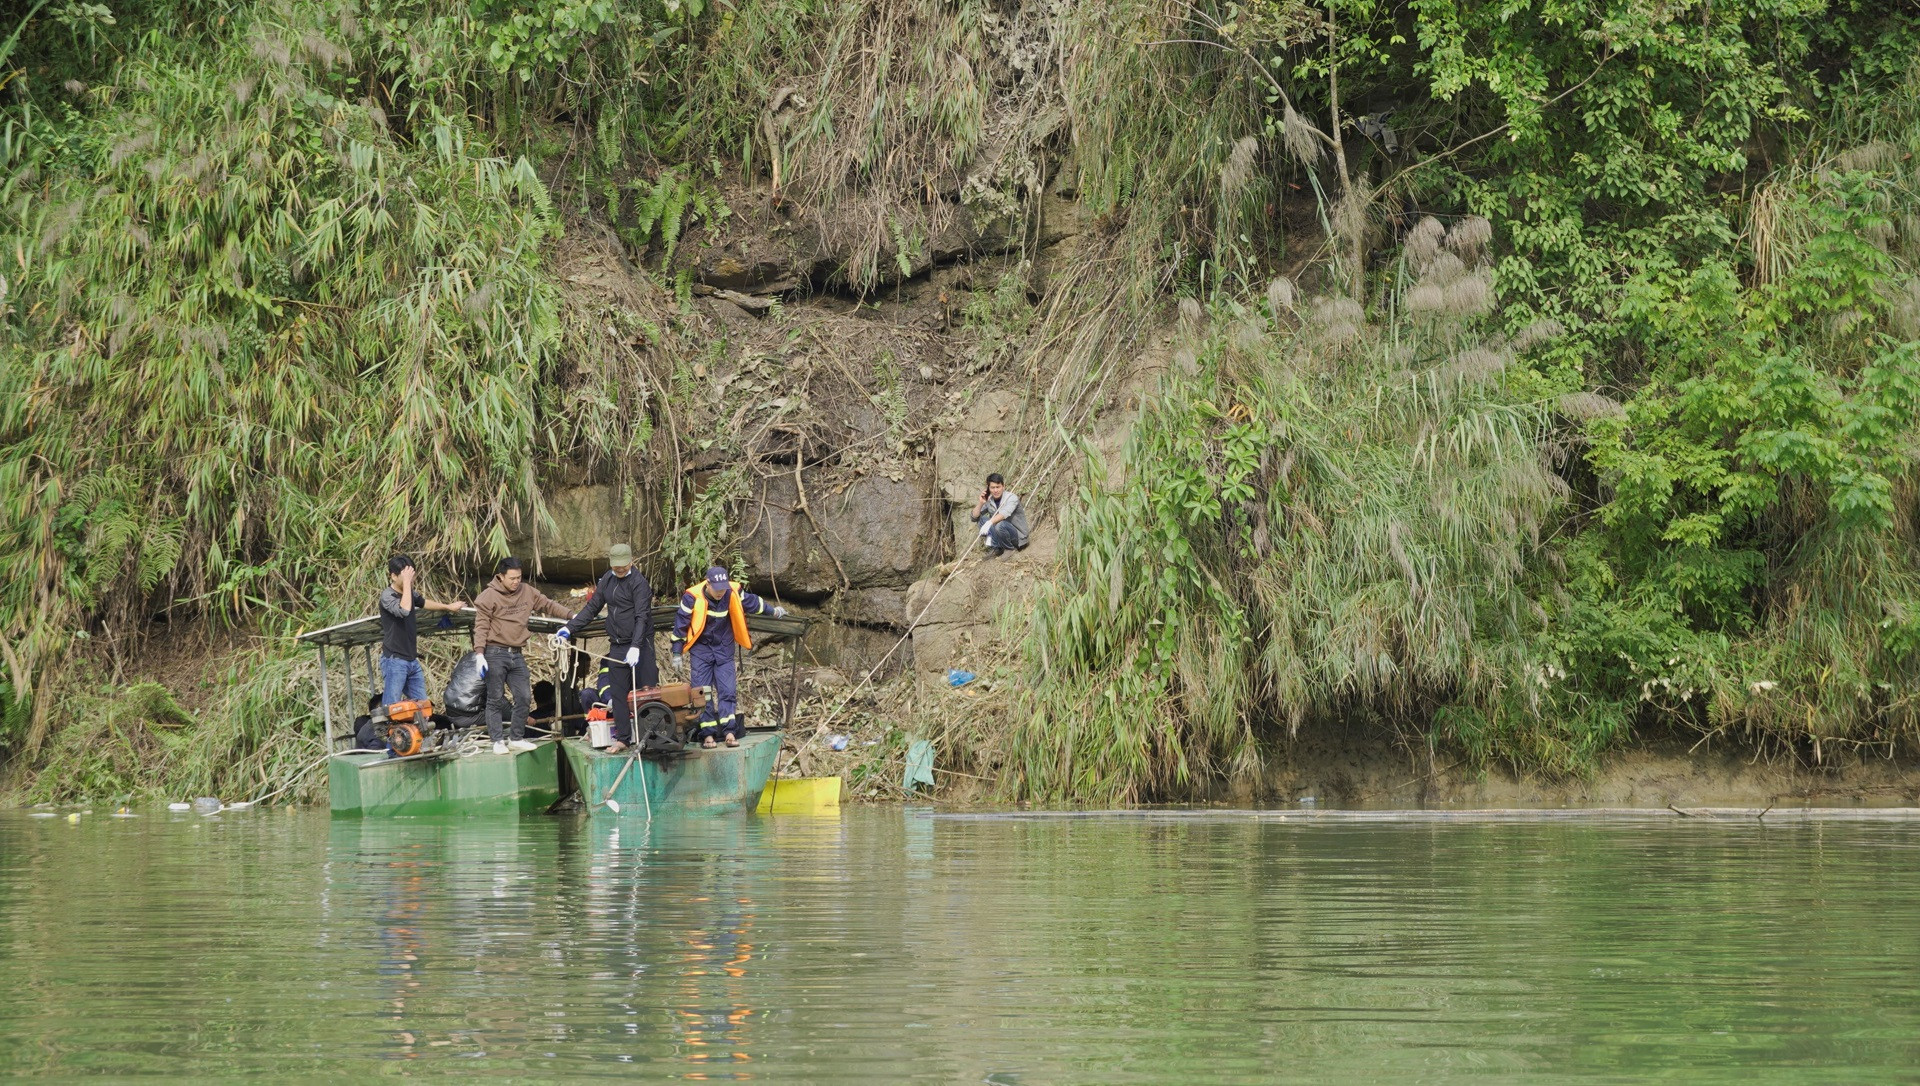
point(712, 622)
point(628, 599)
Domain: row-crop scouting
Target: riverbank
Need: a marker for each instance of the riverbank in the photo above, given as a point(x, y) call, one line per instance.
point(184, 708)
point(1371, 772)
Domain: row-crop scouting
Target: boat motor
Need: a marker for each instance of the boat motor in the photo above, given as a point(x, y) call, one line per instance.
point(407, 727)
point(664, 715)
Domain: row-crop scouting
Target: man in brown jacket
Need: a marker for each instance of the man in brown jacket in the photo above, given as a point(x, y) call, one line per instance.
point(500, 637)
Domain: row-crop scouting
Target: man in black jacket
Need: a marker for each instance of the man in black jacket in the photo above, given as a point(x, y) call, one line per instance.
point(628, 600)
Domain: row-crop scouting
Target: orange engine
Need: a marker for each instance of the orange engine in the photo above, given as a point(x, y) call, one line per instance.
point(404, 739)
point(672, 695)
point(417, 711)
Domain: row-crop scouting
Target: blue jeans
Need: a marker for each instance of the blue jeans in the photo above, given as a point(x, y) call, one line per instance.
point(403, 680)
point(1003, 536)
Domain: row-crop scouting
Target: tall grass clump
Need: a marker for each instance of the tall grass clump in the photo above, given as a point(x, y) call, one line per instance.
point(1337, 511)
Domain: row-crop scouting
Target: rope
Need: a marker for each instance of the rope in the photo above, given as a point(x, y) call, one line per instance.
point(291, 781)
point(646, 798)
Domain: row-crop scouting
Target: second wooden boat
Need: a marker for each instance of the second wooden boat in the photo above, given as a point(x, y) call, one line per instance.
point(692, 780)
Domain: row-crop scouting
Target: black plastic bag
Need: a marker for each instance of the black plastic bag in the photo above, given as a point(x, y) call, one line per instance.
point(467, 689)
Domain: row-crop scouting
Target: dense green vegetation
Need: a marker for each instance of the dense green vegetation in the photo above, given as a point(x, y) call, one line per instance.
point(1621, 438)
point(1715, 208)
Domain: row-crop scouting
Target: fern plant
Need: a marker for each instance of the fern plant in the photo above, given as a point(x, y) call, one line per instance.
point(669, 205)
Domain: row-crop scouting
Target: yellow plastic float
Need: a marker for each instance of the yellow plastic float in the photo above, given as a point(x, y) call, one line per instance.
point(801, 795)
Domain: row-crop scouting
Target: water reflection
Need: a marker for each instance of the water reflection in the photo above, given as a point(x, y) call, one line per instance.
point(892, 946)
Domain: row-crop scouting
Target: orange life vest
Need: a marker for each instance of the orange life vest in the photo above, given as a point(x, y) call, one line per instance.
point(735, 614)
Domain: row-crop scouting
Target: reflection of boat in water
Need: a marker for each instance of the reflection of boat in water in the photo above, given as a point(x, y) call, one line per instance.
point(416, 909)
point(675, 897)
point(685, 781)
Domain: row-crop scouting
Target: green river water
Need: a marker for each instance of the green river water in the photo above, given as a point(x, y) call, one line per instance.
point(885, 945)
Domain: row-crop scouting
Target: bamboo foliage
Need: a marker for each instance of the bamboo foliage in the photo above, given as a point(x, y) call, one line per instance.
point(257, 337)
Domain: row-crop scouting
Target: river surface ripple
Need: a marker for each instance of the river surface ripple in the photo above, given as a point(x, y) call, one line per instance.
point(896, 946)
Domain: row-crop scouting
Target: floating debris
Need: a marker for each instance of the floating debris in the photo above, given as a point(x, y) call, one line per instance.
point(206, 805)
point(179, 806)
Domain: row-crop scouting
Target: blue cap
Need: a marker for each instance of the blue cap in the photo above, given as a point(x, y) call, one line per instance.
point(717, 576)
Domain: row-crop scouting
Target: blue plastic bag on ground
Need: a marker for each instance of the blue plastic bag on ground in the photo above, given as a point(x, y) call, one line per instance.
point(959, 678)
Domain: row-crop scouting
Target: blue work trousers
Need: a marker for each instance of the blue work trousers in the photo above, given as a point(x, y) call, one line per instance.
point(712, 665)
point(403, 680)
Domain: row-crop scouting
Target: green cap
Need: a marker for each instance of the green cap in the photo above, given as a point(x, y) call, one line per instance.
point(620, 554)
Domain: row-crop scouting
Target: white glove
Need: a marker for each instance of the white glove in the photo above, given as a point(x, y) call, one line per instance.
point(779, 611)
point(985, 527)
point(482, 657)
point(633, 655)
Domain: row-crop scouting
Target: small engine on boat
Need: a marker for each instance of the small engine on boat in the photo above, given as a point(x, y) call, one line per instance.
point(406, 727)
point(665, 714)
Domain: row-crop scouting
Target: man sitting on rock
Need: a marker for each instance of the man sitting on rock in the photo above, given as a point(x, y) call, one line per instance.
point(709, 646)
point(1001, 517)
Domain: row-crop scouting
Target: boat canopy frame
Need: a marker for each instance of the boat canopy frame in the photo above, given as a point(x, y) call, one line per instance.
point(364, 633)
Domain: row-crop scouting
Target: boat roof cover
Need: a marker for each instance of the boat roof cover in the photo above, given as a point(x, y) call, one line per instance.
point(366, 631)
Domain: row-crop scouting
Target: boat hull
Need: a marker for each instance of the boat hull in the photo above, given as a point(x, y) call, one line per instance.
point(373, 785)
point(717, 780)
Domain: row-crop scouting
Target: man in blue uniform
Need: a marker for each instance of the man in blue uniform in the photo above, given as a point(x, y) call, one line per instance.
point(710, 645)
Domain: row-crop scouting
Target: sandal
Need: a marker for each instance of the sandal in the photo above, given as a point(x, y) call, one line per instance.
point(733, 741)
point(708, 742)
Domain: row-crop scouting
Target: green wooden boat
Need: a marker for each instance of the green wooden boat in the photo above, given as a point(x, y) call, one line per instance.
point(718, 780)
point(437, 782)
point(446, 783)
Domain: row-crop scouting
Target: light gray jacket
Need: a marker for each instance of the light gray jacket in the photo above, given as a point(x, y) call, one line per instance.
point(1016, 514)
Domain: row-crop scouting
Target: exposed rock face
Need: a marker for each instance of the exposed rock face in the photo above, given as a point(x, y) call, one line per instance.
point(876, 531)
point(954, 608)
point(899, 402)
point(981, 442)
point(587, 520)
point(854, 651)
point(763, 252)
point(751, 261)
point(873, 607)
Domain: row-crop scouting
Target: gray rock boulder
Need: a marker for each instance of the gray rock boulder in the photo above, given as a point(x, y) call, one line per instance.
point(879, 530)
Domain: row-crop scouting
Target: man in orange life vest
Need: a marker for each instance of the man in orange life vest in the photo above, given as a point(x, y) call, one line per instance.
point(708, 641)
